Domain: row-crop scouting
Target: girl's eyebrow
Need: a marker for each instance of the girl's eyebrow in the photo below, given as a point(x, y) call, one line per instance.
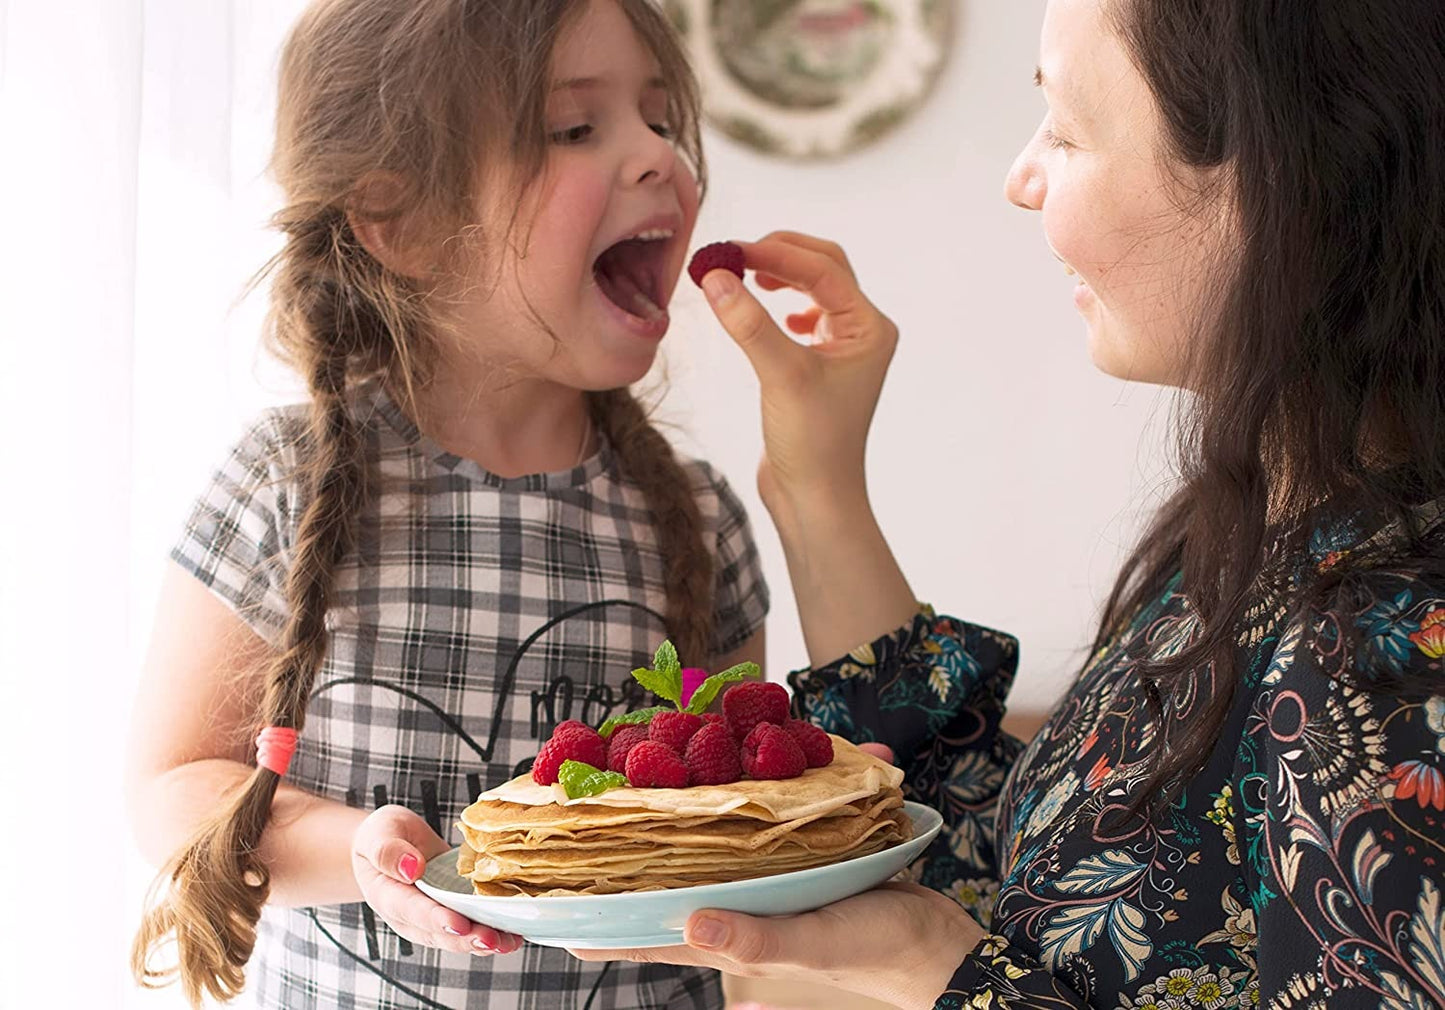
point(593, 83)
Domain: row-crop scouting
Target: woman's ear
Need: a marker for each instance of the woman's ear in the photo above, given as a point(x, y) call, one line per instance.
point(391, 231)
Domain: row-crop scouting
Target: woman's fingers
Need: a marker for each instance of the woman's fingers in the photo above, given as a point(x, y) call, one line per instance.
point(771, 351)
point(878, 750)
point(827, 281)
point(803, 323)
point(805, 941)
point(818, 245)
point(898, 943)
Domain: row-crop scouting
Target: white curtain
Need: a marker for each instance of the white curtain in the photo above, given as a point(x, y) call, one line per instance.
point(134, 134)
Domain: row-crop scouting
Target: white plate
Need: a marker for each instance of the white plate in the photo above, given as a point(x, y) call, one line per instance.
point(656, 918)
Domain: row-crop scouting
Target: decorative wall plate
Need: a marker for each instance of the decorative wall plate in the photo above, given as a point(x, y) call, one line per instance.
point(813, 78)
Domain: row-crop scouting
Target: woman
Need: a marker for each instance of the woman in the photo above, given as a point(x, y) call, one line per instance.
point(1240, 801)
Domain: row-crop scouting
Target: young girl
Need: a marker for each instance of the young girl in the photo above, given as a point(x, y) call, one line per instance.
point(472, 533)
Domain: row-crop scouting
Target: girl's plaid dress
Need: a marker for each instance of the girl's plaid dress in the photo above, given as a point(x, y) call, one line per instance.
point(476, 613)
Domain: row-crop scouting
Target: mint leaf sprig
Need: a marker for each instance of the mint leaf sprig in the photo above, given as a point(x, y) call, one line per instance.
point(665, 681)
point(579, 778)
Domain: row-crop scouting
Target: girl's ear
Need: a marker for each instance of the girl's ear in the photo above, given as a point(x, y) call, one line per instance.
point(388, 228)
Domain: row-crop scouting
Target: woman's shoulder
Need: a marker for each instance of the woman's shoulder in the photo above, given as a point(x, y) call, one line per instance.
point(1375, 627)
point(1369, 601)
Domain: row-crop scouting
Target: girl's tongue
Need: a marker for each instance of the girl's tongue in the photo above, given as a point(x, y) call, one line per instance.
point(629, 275)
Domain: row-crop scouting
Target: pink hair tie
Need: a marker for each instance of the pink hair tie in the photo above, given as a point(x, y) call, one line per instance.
point(274, 748)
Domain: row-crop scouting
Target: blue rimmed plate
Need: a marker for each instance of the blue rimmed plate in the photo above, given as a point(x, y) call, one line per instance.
point(656, 918)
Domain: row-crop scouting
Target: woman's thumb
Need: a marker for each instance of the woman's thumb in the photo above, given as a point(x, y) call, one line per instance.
point(747, 322)
point(743, 938)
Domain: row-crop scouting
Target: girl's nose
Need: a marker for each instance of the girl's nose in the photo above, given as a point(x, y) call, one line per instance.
point(654, 160)
point(1026, 183)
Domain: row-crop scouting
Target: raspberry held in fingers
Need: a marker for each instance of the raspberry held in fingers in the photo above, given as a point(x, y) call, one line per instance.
point(718, 256)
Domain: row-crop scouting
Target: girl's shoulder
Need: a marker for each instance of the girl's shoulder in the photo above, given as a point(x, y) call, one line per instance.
point(717, 501)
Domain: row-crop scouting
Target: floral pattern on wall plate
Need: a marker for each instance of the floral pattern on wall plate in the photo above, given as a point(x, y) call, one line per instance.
point(813, 78)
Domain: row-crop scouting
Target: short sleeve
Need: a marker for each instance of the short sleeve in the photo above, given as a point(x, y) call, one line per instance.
point(740, 594)
point(238, 536)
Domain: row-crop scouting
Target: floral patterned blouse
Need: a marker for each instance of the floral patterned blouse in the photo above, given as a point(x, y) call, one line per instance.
point(1303, 866)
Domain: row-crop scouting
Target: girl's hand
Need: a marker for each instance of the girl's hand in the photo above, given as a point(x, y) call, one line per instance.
point(818, 401)
point(388, 854)
point(899, 943)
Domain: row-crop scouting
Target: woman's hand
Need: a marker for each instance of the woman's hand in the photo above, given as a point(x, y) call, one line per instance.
point(388, 854)
point(899, 943)
point(818, 400)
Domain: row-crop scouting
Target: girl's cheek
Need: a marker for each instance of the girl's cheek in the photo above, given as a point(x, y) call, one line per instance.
point(688, 197)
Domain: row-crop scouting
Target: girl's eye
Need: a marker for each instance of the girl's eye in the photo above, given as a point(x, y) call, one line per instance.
point(1054, 140)
point(572, 135)
point(663, 130)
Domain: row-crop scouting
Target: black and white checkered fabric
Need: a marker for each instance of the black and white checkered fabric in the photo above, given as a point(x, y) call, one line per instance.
point(477, 613)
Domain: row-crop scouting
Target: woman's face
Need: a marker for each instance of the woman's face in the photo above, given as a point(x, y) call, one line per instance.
point(1113, 205)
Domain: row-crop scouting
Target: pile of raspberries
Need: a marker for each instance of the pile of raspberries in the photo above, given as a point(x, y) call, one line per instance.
point(753, 736)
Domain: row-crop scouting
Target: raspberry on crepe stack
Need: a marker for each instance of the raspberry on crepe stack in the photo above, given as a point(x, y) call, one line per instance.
point(665, 798)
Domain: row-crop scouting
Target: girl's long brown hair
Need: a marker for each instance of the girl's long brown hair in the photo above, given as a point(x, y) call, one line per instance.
point(419, 90)
point(1320, 380)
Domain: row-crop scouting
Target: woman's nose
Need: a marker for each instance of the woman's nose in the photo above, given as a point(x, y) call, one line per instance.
point(1025, 186)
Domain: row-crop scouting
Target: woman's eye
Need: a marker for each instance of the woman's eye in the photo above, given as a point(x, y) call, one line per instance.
point(1054, 140)
point(663, 130)
point(572, 135)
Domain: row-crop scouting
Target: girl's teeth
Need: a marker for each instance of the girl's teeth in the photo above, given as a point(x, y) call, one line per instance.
point(646, 307)
point(654, 234)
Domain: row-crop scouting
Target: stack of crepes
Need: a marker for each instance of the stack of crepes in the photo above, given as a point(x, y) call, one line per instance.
point(523, 838)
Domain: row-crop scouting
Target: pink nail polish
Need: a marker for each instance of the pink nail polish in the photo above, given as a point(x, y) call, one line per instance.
point(409, 867)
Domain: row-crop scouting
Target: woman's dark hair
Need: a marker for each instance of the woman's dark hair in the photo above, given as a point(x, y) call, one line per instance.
point(1320, 377)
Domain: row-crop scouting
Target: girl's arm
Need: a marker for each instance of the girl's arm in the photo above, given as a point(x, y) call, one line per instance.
point(754, 650)
point(192, 741)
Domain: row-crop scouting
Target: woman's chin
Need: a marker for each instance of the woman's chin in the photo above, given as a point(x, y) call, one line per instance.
point(1127, 359)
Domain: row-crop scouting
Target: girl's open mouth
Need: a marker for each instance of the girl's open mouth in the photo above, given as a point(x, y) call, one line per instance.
point(630, 274)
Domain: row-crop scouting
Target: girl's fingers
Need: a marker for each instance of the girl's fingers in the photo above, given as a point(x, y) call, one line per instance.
point(398, 859)
point(389, 853)
point(421, 920)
